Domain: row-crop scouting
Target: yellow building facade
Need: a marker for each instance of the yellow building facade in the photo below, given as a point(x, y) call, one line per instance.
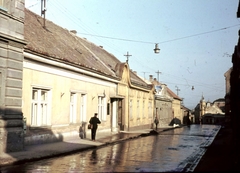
point(58, 99)
point(66, 79)
point(138, 102)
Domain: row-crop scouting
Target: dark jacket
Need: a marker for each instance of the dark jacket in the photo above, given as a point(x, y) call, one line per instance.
point(156, 121)
point(94, 121)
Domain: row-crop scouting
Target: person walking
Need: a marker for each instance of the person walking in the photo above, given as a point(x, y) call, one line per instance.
point(188, 120)
point(156, 121)
point(94, 121)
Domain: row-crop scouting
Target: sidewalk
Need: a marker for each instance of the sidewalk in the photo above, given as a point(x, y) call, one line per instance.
point(223, 155)
point(37, 152)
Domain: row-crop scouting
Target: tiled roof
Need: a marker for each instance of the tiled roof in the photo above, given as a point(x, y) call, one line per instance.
point(60, 44)
point(185, 108)
point(172, 94)
point(169, 91)
point(57, 42)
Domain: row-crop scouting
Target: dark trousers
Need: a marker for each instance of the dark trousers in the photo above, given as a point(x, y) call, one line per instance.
point(93, 133)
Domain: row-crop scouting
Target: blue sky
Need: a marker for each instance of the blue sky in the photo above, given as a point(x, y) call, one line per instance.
point(196, 38)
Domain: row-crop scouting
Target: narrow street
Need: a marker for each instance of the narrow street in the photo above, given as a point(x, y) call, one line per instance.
point(177, 150)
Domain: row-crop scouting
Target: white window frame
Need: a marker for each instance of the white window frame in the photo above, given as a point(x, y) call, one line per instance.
point(40, 109)
point(149, 109)
point(102, 108)
point(83, 108)
point(130, 109)
point(138, 109)
point(2, 7)
point(73, 108)
point(143, 109)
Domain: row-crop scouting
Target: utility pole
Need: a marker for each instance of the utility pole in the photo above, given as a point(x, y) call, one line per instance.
point(177, 89)
point(127, 56)
point(43, 11)
point(158, 72)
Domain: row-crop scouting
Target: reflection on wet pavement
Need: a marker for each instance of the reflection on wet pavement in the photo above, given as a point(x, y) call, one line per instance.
point(117, 137)
point(178, 150)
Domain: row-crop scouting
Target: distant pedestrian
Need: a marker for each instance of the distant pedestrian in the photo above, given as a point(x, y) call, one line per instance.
point(156, 121)
point(94, 121)
point(188, 120)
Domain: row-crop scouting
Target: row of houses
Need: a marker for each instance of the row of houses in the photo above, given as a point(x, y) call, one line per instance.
point(207, 112)
point(52, 82)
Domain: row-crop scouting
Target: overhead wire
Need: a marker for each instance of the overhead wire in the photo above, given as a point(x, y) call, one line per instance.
point(191, 81)
point(147, 42)
point(37, 3)
point(76, 21)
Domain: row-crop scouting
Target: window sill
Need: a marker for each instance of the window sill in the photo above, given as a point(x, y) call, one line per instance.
point(3, 9)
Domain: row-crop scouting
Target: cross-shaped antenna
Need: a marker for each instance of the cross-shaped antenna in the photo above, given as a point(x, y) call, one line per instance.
point(158, 72)
point(43, 11)
point(177, 89)
point(127, 56)
point(144, 74)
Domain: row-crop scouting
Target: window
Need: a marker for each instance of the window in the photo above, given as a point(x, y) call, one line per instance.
point(108, 109)
point(101, 108)
point(40, 107)
point(2, 5)
point(83, 108)
point(1, 97)
point(143, 109)
point(149, 109)
point(130, 109)
point(73, 100)
point(138, 109)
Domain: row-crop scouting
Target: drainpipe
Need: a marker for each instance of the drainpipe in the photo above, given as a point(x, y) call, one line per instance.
point(128, 110)
point(156, 114)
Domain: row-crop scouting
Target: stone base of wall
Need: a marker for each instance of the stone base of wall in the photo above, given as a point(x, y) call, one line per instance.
point(142, 127)
point(38, 139)
point(36, 136)
point(164, 122)
point(11, 140)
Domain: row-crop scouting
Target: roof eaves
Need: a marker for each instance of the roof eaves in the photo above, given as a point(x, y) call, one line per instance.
point(65, 61)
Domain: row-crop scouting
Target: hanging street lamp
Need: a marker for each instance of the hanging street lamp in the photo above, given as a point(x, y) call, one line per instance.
point(156, 50)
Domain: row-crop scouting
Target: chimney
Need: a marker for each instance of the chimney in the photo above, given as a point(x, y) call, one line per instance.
point(151, 78)
point(73, 31)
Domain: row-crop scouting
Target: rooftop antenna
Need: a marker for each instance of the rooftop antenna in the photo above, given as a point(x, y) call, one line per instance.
point(43, 11)
point(177, 89)
point(144, 74)
point(127, 56)
point(158, 72)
